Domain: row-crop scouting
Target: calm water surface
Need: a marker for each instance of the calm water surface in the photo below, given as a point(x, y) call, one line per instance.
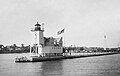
point(90, 66)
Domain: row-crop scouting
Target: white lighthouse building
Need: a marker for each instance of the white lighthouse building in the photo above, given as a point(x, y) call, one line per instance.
point(39, 37)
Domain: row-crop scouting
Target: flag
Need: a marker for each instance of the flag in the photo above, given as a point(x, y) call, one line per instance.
point(60, 32)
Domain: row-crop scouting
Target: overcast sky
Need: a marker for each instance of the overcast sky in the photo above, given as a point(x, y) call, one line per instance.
point(85, 21)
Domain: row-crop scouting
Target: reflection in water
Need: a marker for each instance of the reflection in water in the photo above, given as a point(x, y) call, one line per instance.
point(51, 68)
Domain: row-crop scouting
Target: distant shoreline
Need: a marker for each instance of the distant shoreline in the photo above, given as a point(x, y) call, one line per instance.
point(12, 52)
point(68, 53)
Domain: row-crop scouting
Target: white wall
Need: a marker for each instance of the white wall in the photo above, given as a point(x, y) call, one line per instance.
point(52, 49)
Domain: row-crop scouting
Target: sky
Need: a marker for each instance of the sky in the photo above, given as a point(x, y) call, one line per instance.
point(86, 22)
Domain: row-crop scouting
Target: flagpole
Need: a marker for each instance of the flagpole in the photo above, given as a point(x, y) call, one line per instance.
point(64, 39)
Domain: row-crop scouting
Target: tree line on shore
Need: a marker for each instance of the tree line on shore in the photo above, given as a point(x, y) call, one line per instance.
point(14, 49)
point(26, 49)
point(90, 49)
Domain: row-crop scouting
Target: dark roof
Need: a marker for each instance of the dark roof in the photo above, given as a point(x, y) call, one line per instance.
point(37, 24)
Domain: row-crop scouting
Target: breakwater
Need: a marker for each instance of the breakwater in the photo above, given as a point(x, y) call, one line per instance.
point(80, 55)
point(65, 56)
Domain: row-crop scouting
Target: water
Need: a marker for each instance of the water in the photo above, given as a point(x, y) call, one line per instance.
point(90, 66)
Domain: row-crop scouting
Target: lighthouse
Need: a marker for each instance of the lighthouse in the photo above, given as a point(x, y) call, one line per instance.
point(46, 46)
point(39, 38)
point(39, 34)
